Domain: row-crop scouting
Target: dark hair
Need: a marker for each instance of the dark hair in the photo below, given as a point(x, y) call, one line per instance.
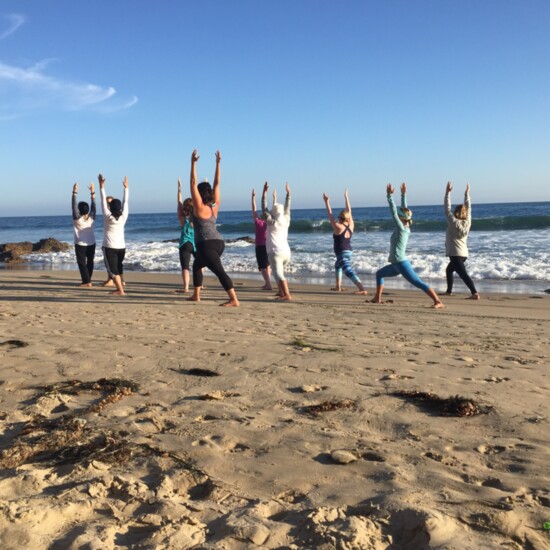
point(83, 208)
point(187, 207)
point(115, 206)
point(206, 192)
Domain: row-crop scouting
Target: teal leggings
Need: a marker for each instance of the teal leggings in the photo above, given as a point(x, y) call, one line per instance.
point(401, 268)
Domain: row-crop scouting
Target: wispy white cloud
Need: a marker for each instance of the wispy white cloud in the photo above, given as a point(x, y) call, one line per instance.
point(26, 90)
point(14, 21)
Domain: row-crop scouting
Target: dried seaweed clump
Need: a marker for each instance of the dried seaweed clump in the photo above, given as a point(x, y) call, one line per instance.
point(69, 438)
point(445, 406)
point(327, 406)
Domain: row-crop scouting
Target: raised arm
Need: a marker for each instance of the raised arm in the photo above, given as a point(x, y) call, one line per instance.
point(467, 202)
point(447, 201)
point(217, 174)
point(195, 195)
point(76, 213)
point(287, 200)
point(265, 210)
point(254, 213)
point(92, 201)
point(329, 212)
point(125, 198)
point(403, 195)
point(180, 205)
point(104, 206)
point(348, 210)
point(393, 209)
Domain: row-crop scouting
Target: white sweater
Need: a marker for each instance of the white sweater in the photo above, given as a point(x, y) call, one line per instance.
point(113, 234)
point(457, 230)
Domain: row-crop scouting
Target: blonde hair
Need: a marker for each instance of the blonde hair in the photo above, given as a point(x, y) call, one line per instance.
point(405, 214)
point(344, 215)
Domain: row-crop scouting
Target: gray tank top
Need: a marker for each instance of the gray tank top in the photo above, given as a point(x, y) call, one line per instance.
point(205, 230)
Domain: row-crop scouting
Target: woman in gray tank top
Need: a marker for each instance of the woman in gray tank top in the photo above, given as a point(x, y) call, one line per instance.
point(208, 241)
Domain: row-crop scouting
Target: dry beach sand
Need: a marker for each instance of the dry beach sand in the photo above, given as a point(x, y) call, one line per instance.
point(162, 454)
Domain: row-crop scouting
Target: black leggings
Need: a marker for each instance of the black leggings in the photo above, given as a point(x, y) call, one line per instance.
point(208, 255)
point(85, 260)
point(115, 257)
point(456, 263)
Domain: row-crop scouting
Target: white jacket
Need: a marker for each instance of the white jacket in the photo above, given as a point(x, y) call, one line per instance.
point(457, 230)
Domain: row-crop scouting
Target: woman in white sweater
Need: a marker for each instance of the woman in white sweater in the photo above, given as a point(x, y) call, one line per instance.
point(459, 222)
point(115, 214)
point(278, 250)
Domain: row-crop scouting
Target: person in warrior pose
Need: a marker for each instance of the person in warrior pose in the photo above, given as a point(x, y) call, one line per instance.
point(343, 230)
point(84, 237)
point(459, 222)
point(260, 230)
point(399, 265)
point(278, 250)
point(186, 244)
point(115, 215)
point(208, 241)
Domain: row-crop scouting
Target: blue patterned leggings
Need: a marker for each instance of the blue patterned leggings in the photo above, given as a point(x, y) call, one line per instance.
point(343, 264)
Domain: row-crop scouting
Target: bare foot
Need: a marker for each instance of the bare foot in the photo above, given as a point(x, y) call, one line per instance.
point(108, 282)
point(361, 292)
point(338, 289)
point(475, 296)
point(445, 293)
point(193, 299)
point(182, 290)
point(117, 293)
point(438, 305)
point(375, 300)
point(230, 303)
point(265, 287)
point(285, 298)
point(86, 285)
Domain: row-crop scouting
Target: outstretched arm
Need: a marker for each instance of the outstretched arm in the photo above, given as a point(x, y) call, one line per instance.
point(348, 210)
point(447, 201)
point(125, 198)
point(265, 211)
point(104, 205)
point(254, 213)
point(180, 204)
point(92, 201)
point(329, 211)
point(393, 209)
point(195, 195)
point(467, 202)
point(287, 200)
point(216, 186)
point(76, 213)
point(403, 195)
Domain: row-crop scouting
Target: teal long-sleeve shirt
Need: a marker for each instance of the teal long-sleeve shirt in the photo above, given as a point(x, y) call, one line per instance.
point(400, 236)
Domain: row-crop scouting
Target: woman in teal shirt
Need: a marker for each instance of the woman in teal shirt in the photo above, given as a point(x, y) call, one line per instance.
point(187, 238)
point(399, 265)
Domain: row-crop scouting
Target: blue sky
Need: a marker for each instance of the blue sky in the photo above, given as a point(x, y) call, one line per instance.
point(324, 94)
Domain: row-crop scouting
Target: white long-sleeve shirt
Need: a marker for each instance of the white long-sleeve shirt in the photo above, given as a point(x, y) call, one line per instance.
point(278, 222)
point(113, 229)
point(457, 230)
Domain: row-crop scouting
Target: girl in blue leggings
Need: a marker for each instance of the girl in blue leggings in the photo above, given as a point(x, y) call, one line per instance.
point(399, 265)
point(343, 230)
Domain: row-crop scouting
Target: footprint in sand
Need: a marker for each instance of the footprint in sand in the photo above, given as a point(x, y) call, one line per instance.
point(395, 376)
point(490, 449)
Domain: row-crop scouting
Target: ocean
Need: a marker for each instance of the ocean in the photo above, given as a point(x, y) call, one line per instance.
point(509, 245)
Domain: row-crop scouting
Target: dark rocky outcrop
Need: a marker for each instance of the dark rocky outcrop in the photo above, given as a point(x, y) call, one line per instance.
point(13, 252)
